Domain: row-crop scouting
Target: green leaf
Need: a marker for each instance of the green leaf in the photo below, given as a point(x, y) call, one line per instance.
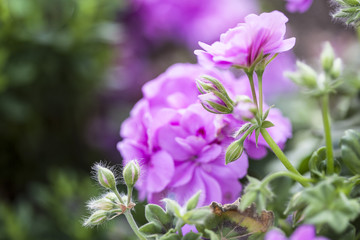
point(172, 207)
point(257, 133)
point(267, 124)
point(317, 163)
point(212, 235)
point(193, 201)
point(150, 229)
point(196, 216)
point(350, 150)
point(170, 236)
point(266, 114)
point(155, 214)
point(192, 236)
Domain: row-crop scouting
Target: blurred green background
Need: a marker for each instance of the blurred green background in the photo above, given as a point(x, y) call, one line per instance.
point(58, 114)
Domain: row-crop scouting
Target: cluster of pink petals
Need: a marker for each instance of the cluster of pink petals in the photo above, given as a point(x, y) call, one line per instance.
point(243, 45)
point(298, 5)
point(181, 146)
point(304, 232)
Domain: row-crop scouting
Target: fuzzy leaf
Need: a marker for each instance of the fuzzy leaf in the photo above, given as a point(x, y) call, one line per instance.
point(267, 124)
point(172, 207)
point(196, 216)
point(192, 236)
point(193, 201)
point(350, 150)
point(157, 215)
point(150, 229)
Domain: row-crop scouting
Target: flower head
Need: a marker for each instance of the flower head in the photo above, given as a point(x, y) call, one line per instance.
point(249, 42)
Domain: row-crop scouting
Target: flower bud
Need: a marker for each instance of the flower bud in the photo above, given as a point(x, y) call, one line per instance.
point(106, 177)
point(96, 218)
point(304, 76)
point(336, 69)
point(208, 84)
point(216, 103)
point(327, 57)
point(102, 204)
point(234, 151)
point(131, 173)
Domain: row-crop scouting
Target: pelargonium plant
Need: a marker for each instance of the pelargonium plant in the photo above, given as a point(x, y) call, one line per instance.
point(189, 140)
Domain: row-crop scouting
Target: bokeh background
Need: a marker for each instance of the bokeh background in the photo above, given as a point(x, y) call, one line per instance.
point(71, 70)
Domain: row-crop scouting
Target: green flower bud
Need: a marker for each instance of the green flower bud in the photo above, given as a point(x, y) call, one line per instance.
point(96, 218)
point(336, 69)
point(131, 173)
point(234, 151)
point(305, 76)
point(327, 57)
point(102, 204)
point(106, 177)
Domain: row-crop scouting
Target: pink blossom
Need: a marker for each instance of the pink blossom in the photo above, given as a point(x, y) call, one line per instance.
point(298, 5)
point(304, 232)
point(243, 45)
point(180, 145)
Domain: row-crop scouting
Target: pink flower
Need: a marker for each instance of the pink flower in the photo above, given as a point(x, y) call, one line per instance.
point(243, 45)
point(298, 5)
point(181, 146)
point(304, 232)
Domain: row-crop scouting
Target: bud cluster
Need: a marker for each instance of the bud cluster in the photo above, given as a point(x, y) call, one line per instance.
point(322, 82)
point(112, 204)
point(214, 97)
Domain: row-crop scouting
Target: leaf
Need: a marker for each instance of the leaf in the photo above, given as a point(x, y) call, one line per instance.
point(170, 236)
point(150, 229)
point(172, 207)
point(192, 236)
point(350, 150)
point(266, 114)
point(227, 222)
point(157, 215)
point(212, 235)
point(267, 124)
point(317, 163)
point(193, 201)
point(196, 216)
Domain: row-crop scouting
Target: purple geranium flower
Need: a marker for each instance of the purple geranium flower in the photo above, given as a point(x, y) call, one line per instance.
point(181, 146)
point(298, 5)
point(304, 232)
point(243, 45)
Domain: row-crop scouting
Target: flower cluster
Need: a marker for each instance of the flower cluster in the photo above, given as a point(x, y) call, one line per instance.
point(181, 145)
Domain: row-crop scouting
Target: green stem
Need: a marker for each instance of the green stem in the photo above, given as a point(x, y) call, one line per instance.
point(133, 225)
point(130, 218)
point(251, 79)
point(294, 176)
point(129, 195)
point(259, 75)
point(279, 153)
point(327, 130)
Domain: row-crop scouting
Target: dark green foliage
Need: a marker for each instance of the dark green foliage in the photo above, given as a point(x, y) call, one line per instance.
point(53, 56)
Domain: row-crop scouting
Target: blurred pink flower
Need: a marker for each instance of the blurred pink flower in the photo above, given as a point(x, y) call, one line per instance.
point(298, 5)
point(189, 21)
point(243, 45)
point(304, 232)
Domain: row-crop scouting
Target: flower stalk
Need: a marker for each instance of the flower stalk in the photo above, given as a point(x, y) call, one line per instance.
point(250, 74)
point(327, 131)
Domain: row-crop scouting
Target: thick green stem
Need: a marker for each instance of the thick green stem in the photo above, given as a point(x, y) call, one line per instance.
point(251, 79)
point(327, 131)
point(279, 153)
point(133, 225)
point(294, 176)
point(130, 218)
point(259, 75)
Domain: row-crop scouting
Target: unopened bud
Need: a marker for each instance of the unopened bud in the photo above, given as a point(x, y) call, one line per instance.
point(106, 177)
point(336, 69)
point(216, 102)
point(96, 218)
point(327, 57)
point(102, 204)
point(234, 151)
point(131, 173)
point(208, 84)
